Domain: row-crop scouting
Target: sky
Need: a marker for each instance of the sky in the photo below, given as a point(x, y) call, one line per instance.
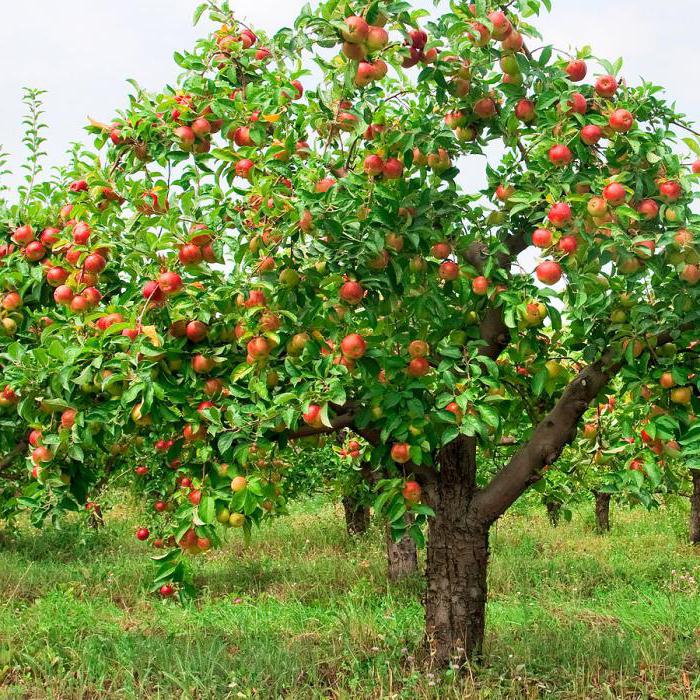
point(82, 51)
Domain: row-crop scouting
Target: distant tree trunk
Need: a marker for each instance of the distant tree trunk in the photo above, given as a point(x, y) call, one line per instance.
point(553, 512)
point(356, 516)
point(96, 519)
point(695, 507)
point(602, 512)
point(402, 556)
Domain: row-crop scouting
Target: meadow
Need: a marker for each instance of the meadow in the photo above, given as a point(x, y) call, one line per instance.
point(305, 611)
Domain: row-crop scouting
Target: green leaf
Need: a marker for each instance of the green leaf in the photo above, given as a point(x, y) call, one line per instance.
point(207, 510)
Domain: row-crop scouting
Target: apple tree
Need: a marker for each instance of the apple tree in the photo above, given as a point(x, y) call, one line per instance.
point(287, 245)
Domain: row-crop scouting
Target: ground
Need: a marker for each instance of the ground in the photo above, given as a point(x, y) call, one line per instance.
point(306, 612)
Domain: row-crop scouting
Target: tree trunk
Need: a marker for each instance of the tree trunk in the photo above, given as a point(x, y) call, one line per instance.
point(402, 556)
point(455, 602)
point(553, 512)
point(602, 512)
point(356, 516)
point(695, 507)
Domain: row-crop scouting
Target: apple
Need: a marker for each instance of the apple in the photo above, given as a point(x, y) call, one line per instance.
point(690, 274)
point(670, 190)
point(356, 30)
point(353, 346)
point(81, 233)
point(448, 271)
point(201, 127)
point(648, 208)
point(542, 238)
point(393, 169)
point(621, 121)
point(418, 348)
point(239, 483)
point(325, 184)
point(614, 194)
point(22, 235)
point(244, 167)
point(202, 364)
point(352, 292)
point(560, 155)
point(258, 347)
point(355, 52)
point(485, 108)
point(441, 250)
point(170, 282)
point(577, 103)
point(34, 251)
point(196, 331)
point(559, 215)
point(365, 74)
point(568, 244)
point(411, 490)
point(190, 254)
point(373, 165)
point(591, 134)
point(63, 295)
point(312, 416)
point(94, 263)
point(548, 272)
point(480, 285)
point(418, 367)
point(49, 236)
point(68, 418)
point(695, 167)
point(377, 38)
point(401, 452)
point(606, 86)
point(597, 207)
point(142, 534)
point(576, 70)
point(504, 192)
point(525, 110)
point(513, 42)
point(242, 137)
point(11, 301)
point(682, 395)
point(166, 590)
point(152, 292)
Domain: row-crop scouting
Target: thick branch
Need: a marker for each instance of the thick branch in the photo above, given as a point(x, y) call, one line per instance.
point(17, 450)
point(548, 440)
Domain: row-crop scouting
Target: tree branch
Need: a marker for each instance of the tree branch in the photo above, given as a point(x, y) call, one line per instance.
point(548, 440)
point(552, 434)
point(8, 459)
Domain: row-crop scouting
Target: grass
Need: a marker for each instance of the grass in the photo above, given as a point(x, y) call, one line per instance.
point(305, 612)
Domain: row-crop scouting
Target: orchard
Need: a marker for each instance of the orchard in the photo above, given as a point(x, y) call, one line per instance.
point(279, 257)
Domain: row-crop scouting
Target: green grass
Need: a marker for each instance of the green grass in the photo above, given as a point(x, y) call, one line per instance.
point(306, 612)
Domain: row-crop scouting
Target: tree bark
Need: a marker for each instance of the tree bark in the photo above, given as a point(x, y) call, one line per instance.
point(695, 507)
point(553, 512)
point(402, 556)
point(602, 512)
point(356, 516)
point(455, 601)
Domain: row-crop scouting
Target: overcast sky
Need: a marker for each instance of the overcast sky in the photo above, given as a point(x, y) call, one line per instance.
point(82, 51)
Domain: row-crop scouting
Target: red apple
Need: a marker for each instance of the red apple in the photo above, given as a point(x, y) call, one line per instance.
point(353, 346)
point(548, 272)
point(401, 452)
point(576, 70)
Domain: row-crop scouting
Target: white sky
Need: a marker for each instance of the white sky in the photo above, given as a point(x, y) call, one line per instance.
point(82, 51)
